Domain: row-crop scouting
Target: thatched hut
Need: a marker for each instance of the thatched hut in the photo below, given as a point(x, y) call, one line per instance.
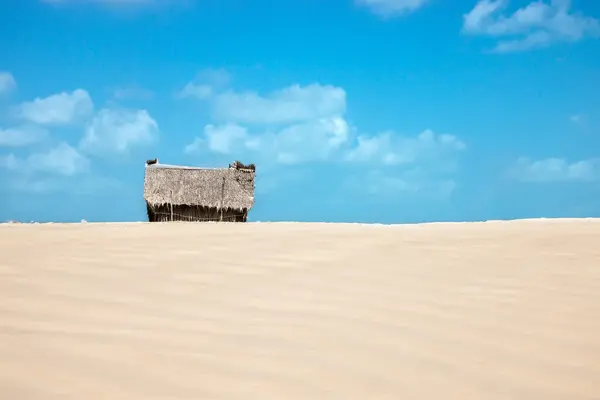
point(177, 193)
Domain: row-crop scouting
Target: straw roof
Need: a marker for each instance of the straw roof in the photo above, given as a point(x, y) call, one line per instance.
point(177, 185)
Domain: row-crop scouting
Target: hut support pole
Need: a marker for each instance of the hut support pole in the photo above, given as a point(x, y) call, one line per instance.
point(171, 204)
point(222, 198)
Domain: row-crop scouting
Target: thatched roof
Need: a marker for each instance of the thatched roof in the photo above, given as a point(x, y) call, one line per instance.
point(171, 184)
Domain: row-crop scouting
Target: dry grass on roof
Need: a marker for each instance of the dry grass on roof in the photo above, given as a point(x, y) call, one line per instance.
point(201, 187)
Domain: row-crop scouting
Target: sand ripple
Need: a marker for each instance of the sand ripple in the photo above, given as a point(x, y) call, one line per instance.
point(498, 310)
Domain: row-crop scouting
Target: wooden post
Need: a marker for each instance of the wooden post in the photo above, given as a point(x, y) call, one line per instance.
point(171, 204)
point(222, 199)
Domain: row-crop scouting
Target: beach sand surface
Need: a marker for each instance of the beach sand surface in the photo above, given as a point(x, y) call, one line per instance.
point(494, 310)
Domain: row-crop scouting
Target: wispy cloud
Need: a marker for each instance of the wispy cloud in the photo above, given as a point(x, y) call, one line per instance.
point(290, 104)
point(555, 170)
point(539, 24)
point(389, 148)
point(58, 109)
point(581, 121)
point(22, 136)
point(381, 184)
point(219, 139)
point(294, 103)
point(107, 2)
point(133, 92)
point(121, 6)
point(577, 118)
point(408, 163)
point(7, 82)
point(206, 84)
point(62, 159)
point(391, 8)
point(116, 131)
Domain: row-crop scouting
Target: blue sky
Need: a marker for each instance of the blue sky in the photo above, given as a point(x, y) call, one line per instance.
point(353, 110)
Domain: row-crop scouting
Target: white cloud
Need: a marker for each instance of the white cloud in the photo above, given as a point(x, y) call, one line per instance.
point(310, 141)
point(21, 136)
point(414, 164)
point(287, 126)
point(389, 8)
point(58, 109)
point(7, 82)
point(315, 140)
point(207, 83)
point(288, 105)
point(305, 124)
point(539, 24)
point(223, 139)
point(555, 170)
point(196, 147)
point(60, 160)
point(327, 139)
point(389, 148)
point(198, 90)
point(117, 131)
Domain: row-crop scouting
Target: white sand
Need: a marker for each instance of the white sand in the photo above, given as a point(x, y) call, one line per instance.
point(498, 310)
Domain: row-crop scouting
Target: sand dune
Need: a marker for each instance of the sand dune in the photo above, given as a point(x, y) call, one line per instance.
point(498, 310)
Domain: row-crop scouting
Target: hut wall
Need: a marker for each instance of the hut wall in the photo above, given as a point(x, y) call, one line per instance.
point(162, 213)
